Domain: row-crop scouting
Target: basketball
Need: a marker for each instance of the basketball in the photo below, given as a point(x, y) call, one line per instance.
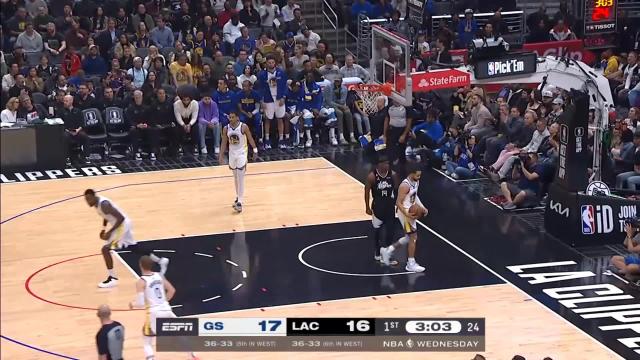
point(417, 210)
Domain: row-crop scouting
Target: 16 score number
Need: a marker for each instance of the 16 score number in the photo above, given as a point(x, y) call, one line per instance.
point(359, 326)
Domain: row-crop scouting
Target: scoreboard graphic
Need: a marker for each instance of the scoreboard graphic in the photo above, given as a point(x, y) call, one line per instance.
point(320, 334)
point(600, 16)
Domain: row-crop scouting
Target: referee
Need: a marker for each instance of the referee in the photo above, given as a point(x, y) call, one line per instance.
point(110, 337)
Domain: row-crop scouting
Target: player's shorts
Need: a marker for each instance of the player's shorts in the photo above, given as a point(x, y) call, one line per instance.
point(237, 161)
point(149, 328)
point(273, 108)
point(409, 226)
point(122, 236)
point(632, 260)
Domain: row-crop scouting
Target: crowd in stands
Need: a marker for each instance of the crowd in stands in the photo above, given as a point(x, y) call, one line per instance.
point(129, 64)
point(67, 59)
point(512, 137)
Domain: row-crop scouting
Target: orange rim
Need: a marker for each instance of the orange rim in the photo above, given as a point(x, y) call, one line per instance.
point(382, 88)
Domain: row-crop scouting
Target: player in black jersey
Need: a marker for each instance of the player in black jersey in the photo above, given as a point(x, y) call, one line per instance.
point(382, 183)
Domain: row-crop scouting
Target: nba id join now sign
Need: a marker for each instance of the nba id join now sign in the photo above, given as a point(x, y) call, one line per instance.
point(439, 79)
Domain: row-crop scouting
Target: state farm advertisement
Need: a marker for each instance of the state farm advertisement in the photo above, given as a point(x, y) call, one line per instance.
point(439, 79)
point(574, 49)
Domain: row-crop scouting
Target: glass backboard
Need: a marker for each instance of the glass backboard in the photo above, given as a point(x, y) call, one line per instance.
point(390, 62)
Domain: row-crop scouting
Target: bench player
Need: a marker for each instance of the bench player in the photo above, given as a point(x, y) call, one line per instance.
point(153, 292)
point(120, 236)
point(236, 135)
point(407, 197)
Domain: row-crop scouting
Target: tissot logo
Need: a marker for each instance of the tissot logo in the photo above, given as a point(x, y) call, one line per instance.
point(59, 173)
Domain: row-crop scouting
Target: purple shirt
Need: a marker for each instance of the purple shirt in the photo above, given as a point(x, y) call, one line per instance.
point(208, 113)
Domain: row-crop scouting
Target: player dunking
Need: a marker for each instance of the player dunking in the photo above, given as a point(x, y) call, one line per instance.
point(120, 236)
point(236, 135)
point(381, 184)
point(407, 197)
point(153, 292)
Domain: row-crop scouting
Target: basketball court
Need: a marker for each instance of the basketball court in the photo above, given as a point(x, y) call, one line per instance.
point(300, 248)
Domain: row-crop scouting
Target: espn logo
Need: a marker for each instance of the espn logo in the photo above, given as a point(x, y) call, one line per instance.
point(175, 327)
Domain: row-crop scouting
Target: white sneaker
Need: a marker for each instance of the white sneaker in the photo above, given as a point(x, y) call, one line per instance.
point(414, 267)
point(203, 151)
point(385, 253)
point(216, 150)
point(308, 143)
point(408, 151)
point(334, 141)
point(109, 283)
point(164, 264)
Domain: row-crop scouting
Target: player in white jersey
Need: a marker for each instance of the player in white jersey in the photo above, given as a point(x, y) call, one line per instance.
point(120, 236)
point(407, 197)
point(236, 136)
point(273, 80)
point(153, 292)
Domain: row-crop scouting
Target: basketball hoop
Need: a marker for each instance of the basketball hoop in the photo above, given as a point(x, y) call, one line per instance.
point(369, 93)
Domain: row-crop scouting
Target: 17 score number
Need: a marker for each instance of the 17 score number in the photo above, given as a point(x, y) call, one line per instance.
point(269, 325)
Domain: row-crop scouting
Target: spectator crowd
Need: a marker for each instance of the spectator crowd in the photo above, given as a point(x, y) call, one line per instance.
point(166, 75)
point(126, 63)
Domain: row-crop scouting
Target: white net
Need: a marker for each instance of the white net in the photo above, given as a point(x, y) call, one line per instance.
point(369, 93)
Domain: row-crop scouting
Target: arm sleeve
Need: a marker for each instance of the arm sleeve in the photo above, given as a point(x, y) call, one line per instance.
point(318, 100)
point(176, 113)
point(193, 108)
point(201, 113)
point(282, 85)
point(215, 112)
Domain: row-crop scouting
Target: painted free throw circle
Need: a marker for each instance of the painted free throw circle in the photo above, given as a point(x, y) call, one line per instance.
point(305, 263)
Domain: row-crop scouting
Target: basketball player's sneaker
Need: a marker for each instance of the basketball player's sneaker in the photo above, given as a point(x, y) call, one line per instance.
point(109, 283)
point(413, 266)
point(203, 150)
point(237, 207)
point(392, 262)
point(282, 145)
point(308, 143)
point(385, 254)
point(152, 157)
point(164, 264)
point(267, 145)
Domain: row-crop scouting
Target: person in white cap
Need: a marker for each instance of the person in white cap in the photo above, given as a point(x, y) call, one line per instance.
point(557, 106)
point(138, 72)
point(467, 28)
